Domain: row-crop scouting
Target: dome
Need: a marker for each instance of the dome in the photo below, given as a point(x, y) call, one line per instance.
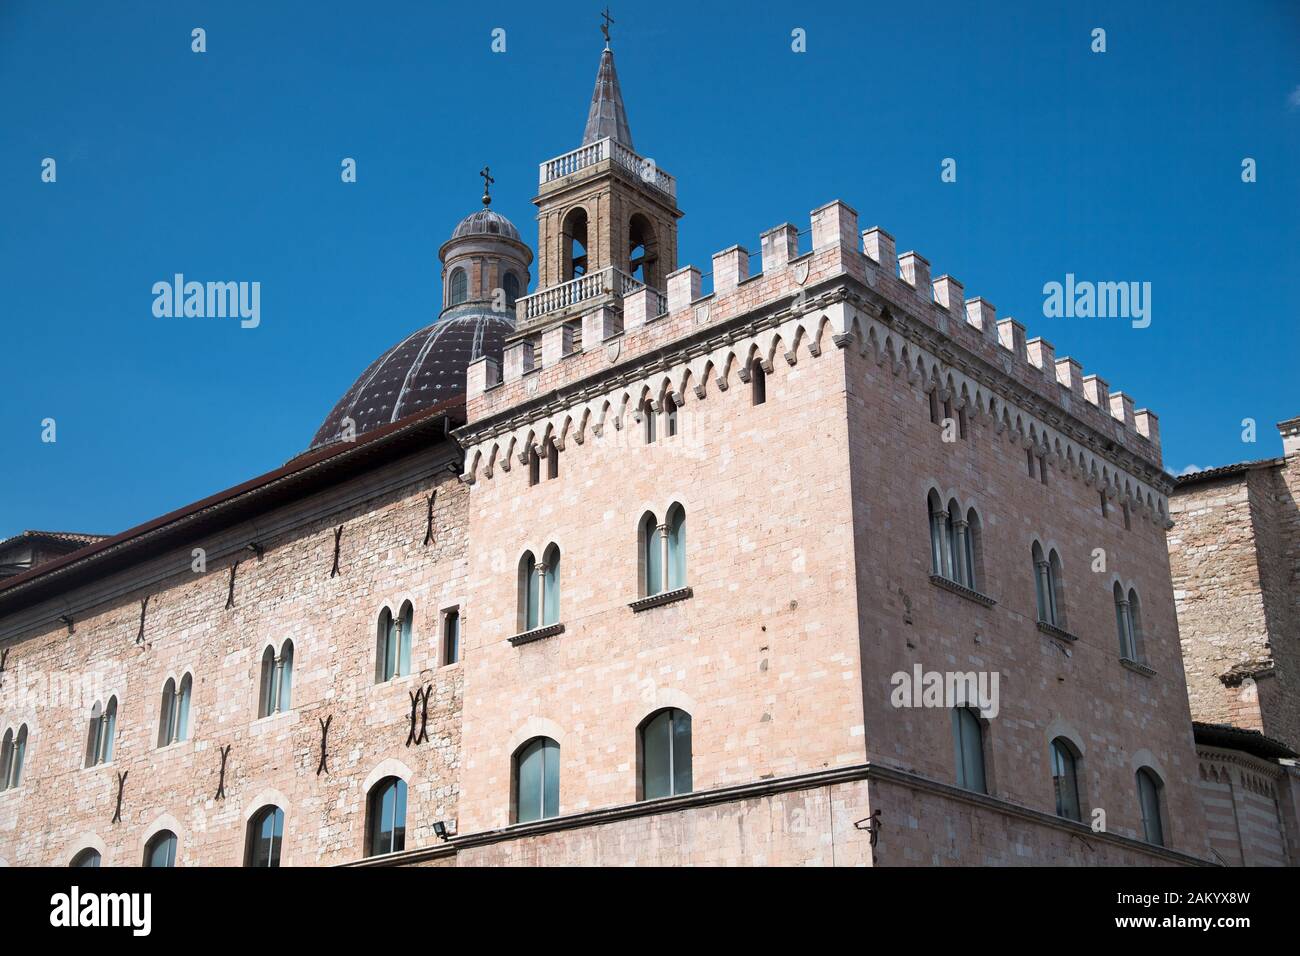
point(425, 368)
point(485, 222)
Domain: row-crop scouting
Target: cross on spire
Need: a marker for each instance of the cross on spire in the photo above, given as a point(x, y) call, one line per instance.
point(486, 173)
point(604, 27)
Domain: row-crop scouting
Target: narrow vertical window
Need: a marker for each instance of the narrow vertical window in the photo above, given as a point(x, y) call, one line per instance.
point(550, 611)
point(276, 694)
point(1136, 641)
point(938, 533)
point(183, 708)
point(537, 780)
point(510, 286)
point(12, 753)
point(648, 415)
point(1128, 518)
point(1149, 787)
point(265, 838)
point(1042, 468)
point(1029, 461)
point(529, 592)
point(670, 416)
point(459, 287)
point(1105, 509)
point(552, 459)
point(1065, 779)
point(534, 467)
point(99, 739)
point(451, 636)
point(284, 700)
point(758, 383)
point(1123, 624)
point(935, 417)
point(405, 627)
point(666, 754)
point(968, 744)
point(167, 714)
point(386, 817)
point(651, 555)
point(676, 568)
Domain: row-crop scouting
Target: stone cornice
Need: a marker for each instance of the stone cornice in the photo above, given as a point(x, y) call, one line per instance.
point(761, 788)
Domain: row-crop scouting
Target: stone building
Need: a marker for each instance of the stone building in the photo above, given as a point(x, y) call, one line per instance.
point(826, 565)
point(1235, 558)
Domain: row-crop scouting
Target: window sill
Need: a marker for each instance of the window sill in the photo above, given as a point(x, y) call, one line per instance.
point(660, 599)
point(1051, 630)
point(1137, 667)
point(537, 634)
point(938, 580)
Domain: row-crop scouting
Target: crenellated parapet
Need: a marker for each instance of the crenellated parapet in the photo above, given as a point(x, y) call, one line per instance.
point(850, 290)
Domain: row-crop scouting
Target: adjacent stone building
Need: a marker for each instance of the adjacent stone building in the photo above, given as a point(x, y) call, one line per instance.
point(1235, 558)
point(825, 565)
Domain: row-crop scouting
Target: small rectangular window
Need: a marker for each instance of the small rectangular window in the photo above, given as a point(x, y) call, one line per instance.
point(451, 636)
point(1029, 461)
point(1042, 468)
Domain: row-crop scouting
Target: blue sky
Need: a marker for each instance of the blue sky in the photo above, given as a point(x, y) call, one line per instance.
point(1122, 166)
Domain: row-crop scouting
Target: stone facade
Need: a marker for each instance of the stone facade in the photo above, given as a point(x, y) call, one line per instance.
point(803, 416)
point(1235, 556)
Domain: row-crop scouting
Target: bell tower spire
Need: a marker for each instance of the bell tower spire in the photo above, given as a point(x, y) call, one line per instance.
point(606, 216)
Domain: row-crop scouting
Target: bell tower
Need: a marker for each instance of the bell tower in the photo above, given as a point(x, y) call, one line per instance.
point(606, 216)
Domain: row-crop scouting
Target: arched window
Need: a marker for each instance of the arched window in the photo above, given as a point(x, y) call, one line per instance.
point(651, 555)
point(1138, 644)
point(174, 715)
point(670, 415)
point(575, 243)
point(665, 749)
point(265, 837)
point(393, 648)
point(386, 817)
point(972, 539)
point(1047, 577)
point(648, 419)
point(676, 566)
point(459, 282)
point(534, 466)
point(88, 858)
point(1124, 624)
point(161, 849)
point(968, 742)
point(510, 286)
point(643, 252)
point(99, 739)
point(537, 780)
point(12, 752)
point(942, 537)
point(1065, 779)
point(757, 382)
point(550, 610)
point(529, 592)
point(1149, 788)
point(277, 681)
point(552, 459)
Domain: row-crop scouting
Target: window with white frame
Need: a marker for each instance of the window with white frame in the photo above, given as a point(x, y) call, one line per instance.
point(13, 750)
point(393, 643)
point(103, 728)
point(174, 714)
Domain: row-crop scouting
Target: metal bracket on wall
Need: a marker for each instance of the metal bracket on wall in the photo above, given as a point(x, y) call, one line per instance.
point(338, 537)
point(323, 766)
point(230, 592)
point(428, 522)
point(420, 700)
point(144, 606)
point(221, 782)
point(121, 785)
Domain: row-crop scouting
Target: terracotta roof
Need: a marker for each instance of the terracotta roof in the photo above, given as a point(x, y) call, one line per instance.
point(1238, 738)
point(71, 536)
point(298, 478)
point(1224, 471)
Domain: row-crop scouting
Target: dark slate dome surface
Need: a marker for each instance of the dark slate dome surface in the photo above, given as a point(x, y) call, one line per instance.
point(423, 369)
point(485, 222)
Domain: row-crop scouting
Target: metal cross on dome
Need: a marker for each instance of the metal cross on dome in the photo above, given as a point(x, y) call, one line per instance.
point(486, 173)
point(604, 27)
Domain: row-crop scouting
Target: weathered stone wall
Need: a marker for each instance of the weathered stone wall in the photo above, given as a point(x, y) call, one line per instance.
point(1234, 556)
point(1245, 800)
point(62, 807)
